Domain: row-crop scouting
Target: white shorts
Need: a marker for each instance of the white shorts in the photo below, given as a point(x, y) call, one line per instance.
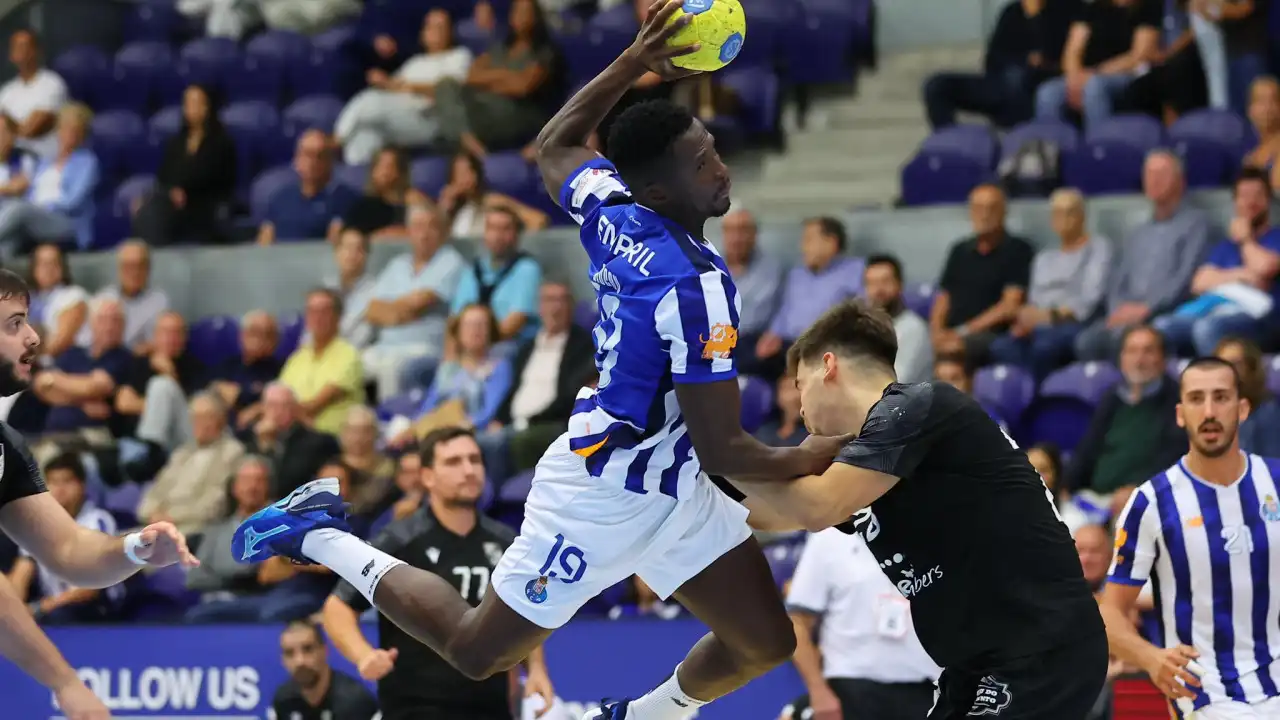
point(583, 534)
point(1268, 709)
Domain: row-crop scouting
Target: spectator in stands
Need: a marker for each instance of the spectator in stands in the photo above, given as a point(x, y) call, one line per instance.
point(220, 575)
point(1260, 432)
point(151, 404)
point(196, 179)
point(191, 489)
point(296, 451)
point(1047, 460)
point(314, 688)
point(466, 199)
point(313, 208)
point(59, 601)
point(353, 282)
point(379, 212)
point(956, 370)
point(240, 380)
point(1134, 432)
point(374, 477)
point(883, 281)
point(504, 277)
point(1068, 283)
point(548, 372)
point(410, 304)
point(408, 482)
point(1235, 288)
point(59, 307)
point(79, 388)
point(1024, 49)
point(143, 304)
point(1175, 84)
point(397, 110)
point(17, 165)
point(758, 277)
point(823, 278)
point(788, 429)
point(1264, 114)
point(504, 100)
point(30, 102)
point(1232, 37)
point(1157, 260)
point(1108, 43)
point(59, 204)
point(325, 372)
point(984, 281)
point(1093, 542)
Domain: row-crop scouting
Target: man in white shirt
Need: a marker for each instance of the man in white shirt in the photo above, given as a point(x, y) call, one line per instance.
point(396, 110)
point(869, 663)
point(882, 280)
point(31, 100)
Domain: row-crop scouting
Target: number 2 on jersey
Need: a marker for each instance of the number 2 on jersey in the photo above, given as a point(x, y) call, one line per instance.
point(572, 562)
point(1047, 493)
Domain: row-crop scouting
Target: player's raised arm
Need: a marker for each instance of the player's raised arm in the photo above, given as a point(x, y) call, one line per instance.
point(562, 144)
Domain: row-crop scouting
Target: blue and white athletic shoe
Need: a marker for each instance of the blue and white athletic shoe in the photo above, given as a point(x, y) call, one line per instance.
point(609, 710)
point(278, 529)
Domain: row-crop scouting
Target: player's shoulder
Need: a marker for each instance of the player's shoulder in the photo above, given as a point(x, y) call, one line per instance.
point(497, 531)
point(14, 448)
point(906, 404)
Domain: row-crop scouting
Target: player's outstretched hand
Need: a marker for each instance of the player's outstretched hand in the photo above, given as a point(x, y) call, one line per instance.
point(650, 46)
point(162, 545)
point(77, 702)
point(1169, 671)
point(822, 449)
point(377, 664)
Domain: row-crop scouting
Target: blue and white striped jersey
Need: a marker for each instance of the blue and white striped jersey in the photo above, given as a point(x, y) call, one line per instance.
point(1212, 554)
point(668, 314)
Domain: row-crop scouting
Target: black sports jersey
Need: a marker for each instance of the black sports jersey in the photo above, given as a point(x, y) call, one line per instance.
point(19, 472)
point(421, 678)
point(347, 699)
point(968, 534)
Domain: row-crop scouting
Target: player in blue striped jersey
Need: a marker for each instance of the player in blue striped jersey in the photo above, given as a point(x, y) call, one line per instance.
point(627, 490)
point(1206, 534)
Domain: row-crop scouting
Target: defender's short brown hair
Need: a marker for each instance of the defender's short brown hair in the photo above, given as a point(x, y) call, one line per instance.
point(851, 329)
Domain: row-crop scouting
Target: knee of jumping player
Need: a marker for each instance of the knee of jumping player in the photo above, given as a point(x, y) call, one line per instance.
point(477, 662)
point(772, 644)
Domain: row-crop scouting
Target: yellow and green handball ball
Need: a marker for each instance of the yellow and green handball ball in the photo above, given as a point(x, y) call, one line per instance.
point(719, 25)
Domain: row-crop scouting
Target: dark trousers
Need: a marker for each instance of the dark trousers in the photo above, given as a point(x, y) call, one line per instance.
point(161, 223)
point(1178, 85)
point(1046, 349)
point(870, 700)
point(1005, 98)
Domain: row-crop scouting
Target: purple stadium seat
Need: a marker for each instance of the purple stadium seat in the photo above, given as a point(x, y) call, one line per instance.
point(130, 191)
point(933, 178)
point(1174, 366)
point(974, 142)
point(336, 40)
point(621, 19)
point(516, 488)
point(1065, 136)
point(1273, 374)
point(1058, 420)
point(509, 173)
point(123, 498)
point(487, 496)
point(214, 339)
point(1206, 163)
point(209, 61)
point(86, 70)
point(758, 91)
point(1006, 389)
point(266, 60)
point(1087, 381)
point(141, 75)
point(768, 20)
point(818, 44)
point(165, 124)
point(152, 21)
point(315, 112)
point(589, 52)
point(291, 330)
point(353, 176)
point(170, 582)
point(321, 72)
point(1104, 167)
point(1221, 127)
point(757, 402)
point(918, 297)
point(265, 186)
point(586, 315)
point(783, 555)
point(472, 36)
point(254, 126)
point(116, 136)
point(429, 174)
point(114, 219)
point(405, 404)
point(1141, 131)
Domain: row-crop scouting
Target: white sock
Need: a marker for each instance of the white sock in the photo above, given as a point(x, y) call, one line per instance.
point(354, 560)
point(665, 702)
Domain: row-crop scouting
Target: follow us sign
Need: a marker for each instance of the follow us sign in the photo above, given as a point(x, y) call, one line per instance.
point(231, 672)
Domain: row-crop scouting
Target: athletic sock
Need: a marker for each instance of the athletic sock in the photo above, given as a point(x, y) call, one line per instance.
point(351, 558)
point(665, 702)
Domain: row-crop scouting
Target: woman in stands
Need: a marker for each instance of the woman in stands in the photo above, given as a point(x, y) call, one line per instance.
point(379, 213)
point(1260, 432)
point(467, 197)
point(59, 204)
point(196, 180)
point(1264, 113)
point(58, 307)
point(510, 90)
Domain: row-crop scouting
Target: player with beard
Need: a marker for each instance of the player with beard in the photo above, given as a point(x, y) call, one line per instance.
point(1201, 533)
point(314, 690)
point(958, 520)
point(38, 524)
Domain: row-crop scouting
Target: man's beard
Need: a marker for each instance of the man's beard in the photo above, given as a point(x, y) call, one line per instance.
point(306, 677)
point(10, 383)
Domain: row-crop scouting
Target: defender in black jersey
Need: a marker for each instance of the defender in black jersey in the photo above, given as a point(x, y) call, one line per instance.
point(314, 690)
point(959, 520)
point(447, 536)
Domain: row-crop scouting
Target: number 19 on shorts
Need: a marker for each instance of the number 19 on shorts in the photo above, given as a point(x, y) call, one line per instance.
point(565, 563)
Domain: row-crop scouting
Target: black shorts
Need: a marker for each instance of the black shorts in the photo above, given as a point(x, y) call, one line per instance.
point(1063, 683)
point(868, 700)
